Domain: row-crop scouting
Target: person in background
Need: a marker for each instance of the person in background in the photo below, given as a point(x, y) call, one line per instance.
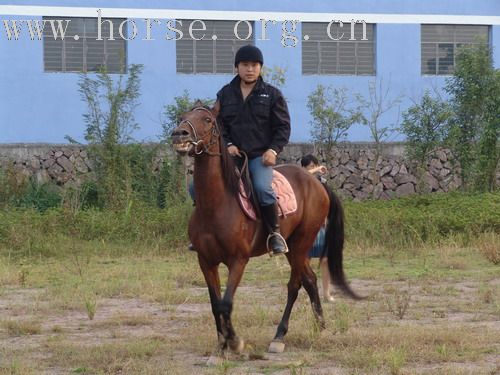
point(311, 164)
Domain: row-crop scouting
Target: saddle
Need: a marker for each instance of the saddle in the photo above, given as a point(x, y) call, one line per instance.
point(286, 200)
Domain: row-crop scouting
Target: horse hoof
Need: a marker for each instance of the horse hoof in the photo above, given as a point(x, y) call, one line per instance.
point(215, 360)
point(236, 345)
point(276, 347)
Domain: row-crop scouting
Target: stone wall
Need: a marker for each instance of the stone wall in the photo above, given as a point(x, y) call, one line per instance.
point(353, 169)
point(64, 165)
point(356, 171)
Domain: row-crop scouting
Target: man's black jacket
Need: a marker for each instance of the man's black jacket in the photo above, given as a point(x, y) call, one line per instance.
point(256, 124)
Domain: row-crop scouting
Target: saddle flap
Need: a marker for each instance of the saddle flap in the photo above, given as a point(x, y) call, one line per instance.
point(286, 199)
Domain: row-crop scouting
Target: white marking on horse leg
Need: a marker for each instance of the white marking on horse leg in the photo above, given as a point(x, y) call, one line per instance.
point(276, 347)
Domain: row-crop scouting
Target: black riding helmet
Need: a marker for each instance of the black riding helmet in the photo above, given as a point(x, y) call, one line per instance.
point(248, 53)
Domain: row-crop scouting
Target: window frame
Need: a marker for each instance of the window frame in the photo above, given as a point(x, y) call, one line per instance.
point(194, 57)
point(86, 47)
point(455, 44)
point(338, 50)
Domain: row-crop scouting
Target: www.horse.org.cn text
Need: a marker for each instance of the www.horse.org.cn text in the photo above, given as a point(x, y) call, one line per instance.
point(128, 29)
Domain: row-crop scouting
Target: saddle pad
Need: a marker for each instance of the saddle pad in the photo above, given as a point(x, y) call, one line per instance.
point(287, 202)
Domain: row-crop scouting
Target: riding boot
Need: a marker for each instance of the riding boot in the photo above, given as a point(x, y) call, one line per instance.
point(276, 244)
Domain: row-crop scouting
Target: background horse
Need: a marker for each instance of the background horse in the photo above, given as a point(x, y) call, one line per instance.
point(222, 233)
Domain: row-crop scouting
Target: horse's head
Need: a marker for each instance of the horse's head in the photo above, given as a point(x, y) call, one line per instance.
point(197, 132)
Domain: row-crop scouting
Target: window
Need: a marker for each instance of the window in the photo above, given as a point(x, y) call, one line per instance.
point(439, 45)
point(209, 55)
point(323, 55)
point(84, 53)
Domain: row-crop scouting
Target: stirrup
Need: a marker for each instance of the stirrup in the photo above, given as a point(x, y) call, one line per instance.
point(270, 251)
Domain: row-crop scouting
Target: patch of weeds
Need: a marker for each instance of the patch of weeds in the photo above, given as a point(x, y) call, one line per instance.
point(172, 296)
point(342, 317)
point(439, 313)
point(15, 367)
point(395, 359)
point(224, 367)
point(489, 246)
point(21, 328)
point(81, 370)
point(454, 264)
point(105, 358)
point(23, 273)
point(57, 329)
point(398, 302)
point(125, 320)
point(443, 351)
point(297, 369)
point(360, 357)
point(90, 305)
point(486, 294)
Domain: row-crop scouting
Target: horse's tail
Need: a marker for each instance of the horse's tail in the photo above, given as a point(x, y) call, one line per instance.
point(334, 243)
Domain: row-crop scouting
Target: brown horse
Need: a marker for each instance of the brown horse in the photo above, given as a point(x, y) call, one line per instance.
point(221, 233)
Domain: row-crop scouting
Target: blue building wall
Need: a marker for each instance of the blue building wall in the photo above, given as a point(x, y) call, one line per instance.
point(44, 107)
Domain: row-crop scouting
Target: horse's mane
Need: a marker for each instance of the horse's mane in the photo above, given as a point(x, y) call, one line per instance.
point(229, 174)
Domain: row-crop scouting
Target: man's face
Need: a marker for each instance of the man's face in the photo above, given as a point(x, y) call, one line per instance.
point(249, 71)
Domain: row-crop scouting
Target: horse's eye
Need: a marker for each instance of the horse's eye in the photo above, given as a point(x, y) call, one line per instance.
point(208, 119)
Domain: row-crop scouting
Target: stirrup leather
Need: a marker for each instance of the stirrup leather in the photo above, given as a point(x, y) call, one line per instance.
point(270, 251)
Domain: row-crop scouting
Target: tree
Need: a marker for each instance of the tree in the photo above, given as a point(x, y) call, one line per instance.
point(332, 117)
point(374, 107)
point(110, 118)
point(425, 126)
point(123, 168)
point(276, 75)
point(474, 92)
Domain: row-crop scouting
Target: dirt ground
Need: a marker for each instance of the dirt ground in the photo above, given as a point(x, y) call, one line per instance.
point(442, 306)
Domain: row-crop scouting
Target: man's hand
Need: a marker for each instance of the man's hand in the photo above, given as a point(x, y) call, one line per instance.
point(269, 158)
point(320, 169)
point(233, 151)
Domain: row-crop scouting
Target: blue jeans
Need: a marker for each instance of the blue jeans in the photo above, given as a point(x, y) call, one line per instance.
point(262, 178)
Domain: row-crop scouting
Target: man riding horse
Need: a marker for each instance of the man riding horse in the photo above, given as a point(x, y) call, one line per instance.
point(254, 118)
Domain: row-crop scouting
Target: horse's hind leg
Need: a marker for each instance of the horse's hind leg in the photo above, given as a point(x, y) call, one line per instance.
point(294, 284)
point(310, 285)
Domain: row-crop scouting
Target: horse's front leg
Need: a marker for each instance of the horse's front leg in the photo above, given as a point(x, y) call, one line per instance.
point(236, 269)
point(211, 274)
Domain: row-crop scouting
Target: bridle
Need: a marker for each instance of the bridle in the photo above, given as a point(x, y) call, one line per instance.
point(198, 141)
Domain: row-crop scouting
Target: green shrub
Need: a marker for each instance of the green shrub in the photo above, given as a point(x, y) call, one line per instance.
point(412, 221)
point(39, 196)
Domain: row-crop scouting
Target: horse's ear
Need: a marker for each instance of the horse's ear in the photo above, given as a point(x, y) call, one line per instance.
point(198, 103)
point(216, 108)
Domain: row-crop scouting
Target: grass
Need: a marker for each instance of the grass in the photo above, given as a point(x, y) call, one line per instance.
point(21, 328)
point(362, 336)
point(134, 301)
